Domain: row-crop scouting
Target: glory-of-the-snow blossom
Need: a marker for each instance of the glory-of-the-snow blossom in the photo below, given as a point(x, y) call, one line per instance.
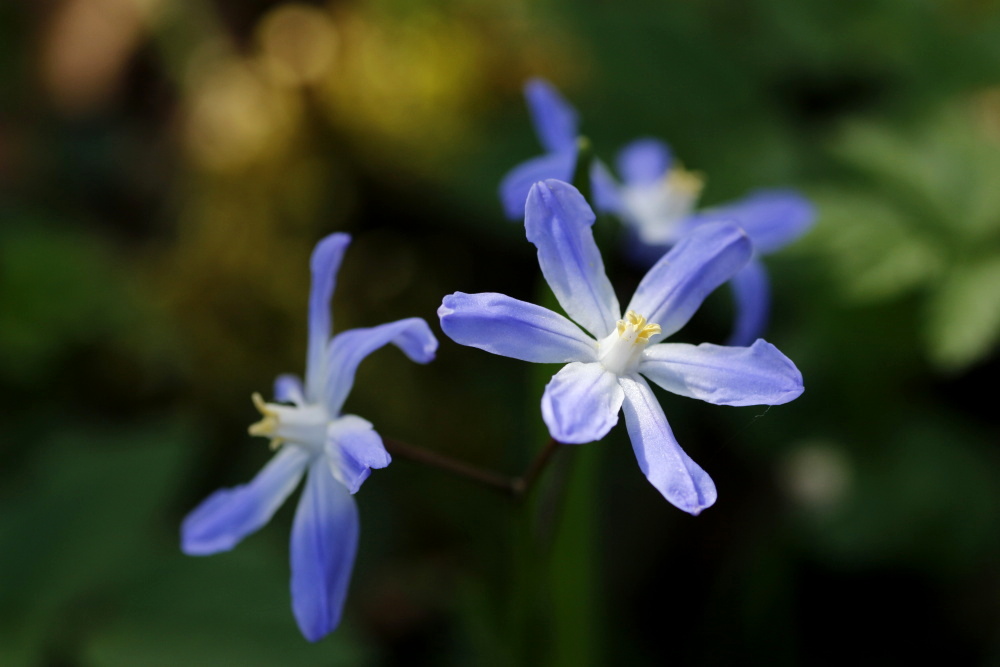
point(606, 363)
point(657, 198)
point(335, 452)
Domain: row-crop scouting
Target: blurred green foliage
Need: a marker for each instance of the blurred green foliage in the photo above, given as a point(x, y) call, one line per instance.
point(925, 214)
point(165, 169)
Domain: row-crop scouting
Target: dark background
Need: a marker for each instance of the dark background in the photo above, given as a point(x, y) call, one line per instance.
point(166, 168)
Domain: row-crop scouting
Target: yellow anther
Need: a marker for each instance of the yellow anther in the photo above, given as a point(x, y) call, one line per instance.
point(647, 332)
point(635, 319)
point(269, 422)
point(638, 323)
point(688, 182)
point(261, 405)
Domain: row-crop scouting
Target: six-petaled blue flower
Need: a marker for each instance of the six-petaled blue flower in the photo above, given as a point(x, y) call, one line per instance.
point(605, 367)
point(657, 200)
point(334, 451)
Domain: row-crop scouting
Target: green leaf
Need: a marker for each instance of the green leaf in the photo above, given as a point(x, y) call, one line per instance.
point(873, 251)
point(942, 174)
point(82, 520)
point(963, 317)
point(902, 167)
point(61, 288)
point(227, 609)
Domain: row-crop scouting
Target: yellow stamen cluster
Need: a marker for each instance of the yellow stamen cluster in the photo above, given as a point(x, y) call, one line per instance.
point(680, 179)
point(268, 423)
point(638, 322)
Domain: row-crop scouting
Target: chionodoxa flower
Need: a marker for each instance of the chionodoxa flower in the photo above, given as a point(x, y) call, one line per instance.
point(334, 451)
point(605, 365)
point(656, 200)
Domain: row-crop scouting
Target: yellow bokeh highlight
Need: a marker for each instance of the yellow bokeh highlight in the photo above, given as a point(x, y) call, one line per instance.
point(298, 43)
point(407, 83)
point(234, 116)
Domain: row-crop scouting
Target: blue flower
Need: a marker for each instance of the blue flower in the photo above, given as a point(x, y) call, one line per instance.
point(556, 125)
point(657, 200)
point(334, 451)
point(605, 365)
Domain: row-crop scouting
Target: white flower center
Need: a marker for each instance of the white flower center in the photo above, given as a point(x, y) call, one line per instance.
point(657, 209)
point(621, 350)
point(304, 426)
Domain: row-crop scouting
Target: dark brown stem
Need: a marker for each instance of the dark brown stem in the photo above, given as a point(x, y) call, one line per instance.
point(520, 486)
point(421, 455)
point(516, 487)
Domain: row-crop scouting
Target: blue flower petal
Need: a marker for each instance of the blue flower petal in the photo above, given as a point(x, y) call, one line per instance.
point(354, 448)
point(349, 348)
point(554, 119)
point(581, 403)
point(517, 183)
point(288, 389)
point(604, 189)
point(326, 259)
point(558, 221)
point(755, 375)
point(661, 459)
point(350, 472)
point(502, 325)
point(675, 287)
point(771, 218)
point(229, 515)
point(752, 293)
point(324, 543)
point(356, 436)
point(644, 161)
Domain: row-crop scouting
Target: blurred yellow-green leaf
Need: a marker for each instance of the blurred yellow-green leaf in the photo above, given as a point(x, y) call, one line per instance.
point(963, 315)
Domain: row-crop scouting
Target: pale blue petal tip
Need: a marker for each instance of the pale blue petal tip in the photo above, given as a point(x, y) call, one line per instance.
point(323, 546)
point(517, 182)
point(772, 218)
point(349, 348)
point(229, 515)
point(581, 403)
point(644, 161)
point(555, 120)
point(558, 222)
point(327, 248)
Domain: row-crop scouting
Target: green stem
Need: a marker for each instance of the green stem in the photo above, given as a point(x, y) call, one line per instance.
point(574, 568)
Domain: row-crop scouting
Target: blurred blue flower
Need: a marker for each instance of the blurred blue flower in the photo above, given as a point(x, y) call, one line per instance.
point(603, 371)
point(657, 200)
point(334, 451)
point(556, 125)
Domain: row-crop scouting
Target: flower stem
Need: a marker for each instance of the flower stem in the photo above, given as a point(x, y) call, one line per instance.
point(521, 485)
point(516, 487)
